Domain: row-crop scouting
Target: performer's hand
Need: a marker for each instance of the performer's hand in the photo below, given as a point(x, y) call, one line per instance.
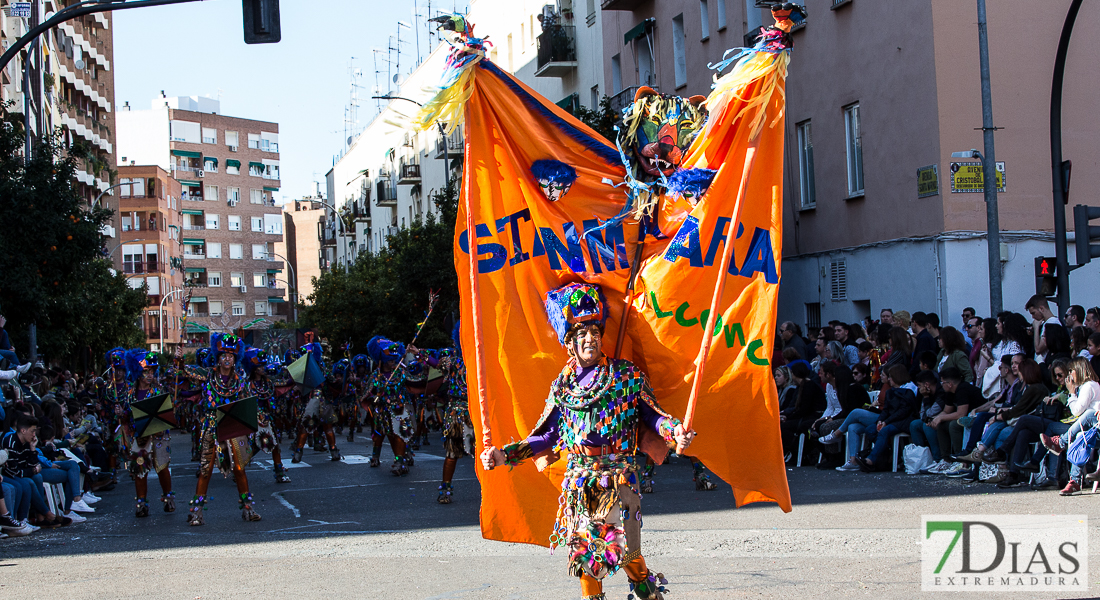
point(683, 438)
point(491, 457)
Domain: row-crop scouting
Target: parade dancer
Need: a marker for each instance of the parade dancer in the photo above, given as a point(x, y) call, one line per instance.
point(319, 413)
point(456, 417)
point(597, 412)
point(260, 373)
point(224, 386)
point(149, 453)
point(389, 403)
point(113, 402)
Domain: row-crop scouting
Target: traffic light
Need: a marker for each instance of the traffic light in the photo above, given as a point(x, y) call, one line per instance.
point(1046, 277)
point(261, 22)
point(1085, 234)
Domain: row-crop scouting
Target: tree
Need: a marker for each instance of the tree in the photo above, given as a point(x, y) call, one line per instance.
point(602, 119)
point(52, 268)
point(386, 293)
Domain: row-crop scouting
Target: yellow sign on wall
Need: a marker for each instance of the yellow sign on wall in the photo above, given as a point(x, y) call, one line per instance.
point(928, 181)
point(968, 177)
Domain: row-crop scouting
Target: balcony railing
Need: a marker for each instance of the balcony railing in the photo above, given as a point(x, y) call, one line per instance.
point(187, 169)
point(454, 145)
point(187, 227)
point(409, 174)
point(387, 195)
point(623, 99)
point(557, 53)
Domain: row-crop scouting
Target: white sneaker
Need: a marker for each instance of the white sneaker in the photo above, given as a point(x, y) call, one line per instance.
point(936, 469)
point(90, 498)
point(833, 437)
point(75, 517)
point(81, 507)
point(956, 469)
point(32, 528)
point(23, 368)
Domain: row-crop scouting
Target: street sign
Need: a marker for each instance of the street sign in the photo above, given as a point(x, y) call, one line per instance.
point(967, 177)
point(21, 9)
point(928, 181)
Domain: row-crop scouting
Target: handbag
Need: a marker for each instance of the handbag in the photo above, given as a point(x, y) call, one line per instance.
point(992, 382)
point(1080, 449)
point(917, 458)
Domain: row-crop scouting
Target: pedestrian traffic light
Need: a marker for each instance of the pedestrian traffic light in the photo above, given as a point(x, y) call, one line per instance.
point(261, 22)
point(1085, 234)
point(1046, 277)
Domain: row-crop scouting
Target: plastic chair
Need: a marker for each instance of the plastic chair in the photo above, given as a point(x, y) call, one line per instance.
point(897, 448)
point(801, 444)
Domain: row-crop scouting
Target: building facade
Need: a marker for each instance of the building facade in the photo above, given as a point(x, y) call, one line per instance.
point(149, 250)
point(303, 224)
point(229, 170)
point(878, 214)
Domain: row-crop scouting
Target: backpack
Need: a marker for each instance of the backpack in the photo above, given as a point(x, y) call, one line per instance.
point(1080, 450)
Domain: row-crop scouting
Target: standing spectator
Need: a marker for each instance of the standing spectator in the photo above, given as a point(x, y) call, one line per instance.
point(1075, 317)
point(952, 353)
point(1041, 315)
point(886, 317)
point(1092, 318)
point(792, 338)
point(902, 319)
point(1013, 329)
point(901, 349)
point(809, 404)
point(1094, 351)
point(934, 325)
point(856, 334)
point(924, 340)
point(849, 355)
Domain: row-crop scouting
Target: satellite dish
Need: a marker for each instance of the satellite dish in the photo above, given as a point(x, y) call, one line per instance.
point(351, 138)
point(79, 64)
point(397, 79)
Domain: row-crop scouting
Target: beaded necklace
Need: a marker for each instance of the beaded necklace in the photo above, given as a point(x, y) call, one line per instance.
point(607, 408)
point(219, 392)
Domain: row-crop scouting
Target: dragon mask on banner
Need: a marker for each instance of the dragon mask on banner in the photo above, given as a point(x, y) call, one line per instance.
point(678, 220)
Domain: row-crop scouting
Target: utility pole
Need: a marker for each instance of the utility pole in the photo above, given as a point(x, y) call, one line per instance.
point(1060, 168)
point(989, 171)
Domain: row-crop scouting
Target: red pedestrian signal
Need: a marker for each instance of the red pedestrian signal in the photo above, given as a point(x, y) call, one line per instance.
point(1046, 278)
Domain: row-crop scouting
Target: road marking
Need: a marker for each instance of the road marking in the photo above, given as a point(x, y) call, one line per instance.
point(279, 496)
point(354, 459)
point(316, 523)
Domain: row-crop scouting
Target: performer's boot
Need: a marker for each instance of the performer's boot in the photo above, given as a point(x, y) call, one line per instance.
point(299, 446)
point(142, 508)
point(194, 513)
point(247, 513)
point(445, 491)
point(400, 449)
point(702, 480)
point(400, 466)
point(167, 496)
point(334, 454)
point(296, 456)
point(646, 485)
point(280, 470)
point(591, 588)
point(351, 433)
point(169, 500)
point(142, 486)
point(376, 452)
point(644, 584)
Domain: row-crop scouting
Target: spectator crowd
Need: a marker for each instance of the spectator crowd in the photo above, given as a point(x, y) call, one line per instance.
point(999, 402)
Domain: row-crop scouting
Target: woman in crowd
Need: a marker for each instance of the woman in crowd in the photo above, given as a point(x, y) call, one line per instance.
point(898, 410)
point(861, 375)
point(1079, 342)
point(843, 395)
point(953, 353)
point(785, 387)
point(1015, 338)
point(809, 404)
point(901, 347)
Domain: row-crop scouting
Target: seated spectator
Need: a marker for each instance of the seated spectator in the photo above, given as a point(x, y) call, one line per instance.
point(900, 349)
point(1014, 336)
point(926, 361)
point(809, 404)
point(1094, 350)
point(953, 353)
point(959, 397)
point(864, 352)
point(1079, 342)
point(843, 395)
point(785, 388)
point(861, 374)
point(23, 465)
point(897, 412)
point(1058, 345)
point(931, 398)
point(792, 338)
point(790, 355)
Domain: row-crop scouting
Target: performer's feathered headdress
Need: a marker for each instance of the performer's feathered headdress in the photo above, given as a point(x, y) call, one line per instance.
point(221, 343)
point(382, 350)
point(340, 367)
point(360, 361)
point(116, 357)
point(291, 355)
point(138, 360)
point(575, 304)
point(316, 350)
point(253, 358)
point(202, 357)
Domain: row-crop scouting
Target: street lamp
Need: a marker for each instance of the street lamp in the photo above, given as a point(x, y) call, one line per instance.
point(294, 276)
point(160, 314)
point(100, 196)
point(993, 228)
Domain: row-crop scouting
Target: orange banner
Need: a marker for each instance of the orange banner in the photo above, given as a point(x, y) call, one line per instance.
point(528, 242)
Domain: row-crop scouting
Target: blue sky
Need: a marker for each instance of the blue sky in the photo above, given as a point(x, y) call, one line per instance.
point(302, 83)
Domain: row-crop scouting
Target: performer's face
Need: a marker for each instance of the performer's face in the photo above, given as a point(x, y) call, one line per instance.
point(147, 376)
point(226, 360)
point(588, 346)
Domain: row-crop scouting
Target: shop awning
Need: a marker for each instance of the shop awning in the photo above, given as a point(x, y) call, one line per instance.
point(193, 241)
point(270, 189)
point(197, 269)
point(187, 153)
point(211, 159)
point(259, 165)
point(198, 299)
point(196, 328)
point(191, 211)
point(276, 271)
point(189, 183)
point(275, 299)
point(229, 162)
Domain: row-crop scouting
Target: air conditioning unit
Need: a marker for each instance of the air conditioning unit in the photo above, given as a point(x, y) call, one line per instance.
point(202, 173)
point(232, 148)
point(244, 289)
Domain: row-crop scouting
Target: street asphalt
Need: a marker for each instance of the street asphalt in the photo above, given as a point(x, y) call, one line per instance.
point(343, 530)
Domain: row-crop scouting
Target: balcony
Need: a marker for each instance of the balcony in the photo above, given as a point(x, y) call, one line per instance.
point(274, 264)
point(623, 99)
point(188, 227)
point(621, 4)
point(557, 53)
point(410, 174)
point(387, 195)
point(454, 146)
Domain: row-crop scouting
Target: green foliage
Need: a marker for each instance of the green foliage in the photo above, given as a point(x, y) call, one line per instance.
point(601, 119)
point(386, 293)
point(52, 271)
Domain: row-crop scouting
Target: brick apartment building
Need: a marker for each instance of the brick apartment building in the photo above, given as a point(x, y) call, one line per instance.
point(149, 249)
point(229, 169)
point(303, 234)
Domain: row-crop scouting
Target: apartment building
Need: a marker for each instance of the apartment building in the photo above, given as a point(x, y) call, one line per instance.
point(149, 251)
point(303, 232)
point(228, 168)
point(879, 95)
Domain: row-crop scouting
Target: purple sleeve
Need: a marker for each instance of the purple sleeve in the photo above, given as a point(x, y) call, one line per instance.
point(541, 442)
point(651, 418)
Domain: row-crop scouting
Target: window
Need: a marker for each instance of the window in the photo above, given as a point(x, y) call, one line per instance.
point(273, 223)
point(214, 279)
point(679, 51)
point(271, 170)
point(215, 307)
point(234, 223)
point(211, 221)
point(813, 315)
point(721, 6)
point(259, 280)
point(214, 250)
point(806, 165)
point(838, 280)
point(261, 308)
point(254, 141)
point(238, 309)
point(616, 74)
point(231, 139)
point(258, 224)
point(854, 139)
point(236, 251)
point(211, 192)
point(255, 196)
point(259, 251)
point(185, 131)
point(644, 52)
point(232, 168)
point(595, 97)
point(269, 142)
point(255, 170)
point(236, 280)
point(510, 53)
point(591, 12)
point(704, 17)
point(209, 135)
point(233, 195)
point(210, 164)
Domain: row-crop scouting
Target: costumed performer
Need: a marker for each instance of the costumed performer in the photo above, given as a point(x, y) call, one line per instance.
point(389, 403)
point(260, 384)
point(151, 452)
point(456, 416)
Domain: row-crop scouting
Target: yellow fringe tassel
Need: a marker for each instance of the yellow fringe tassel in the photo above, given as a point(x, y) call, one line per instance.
point(768, 67)
point(448, 106)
